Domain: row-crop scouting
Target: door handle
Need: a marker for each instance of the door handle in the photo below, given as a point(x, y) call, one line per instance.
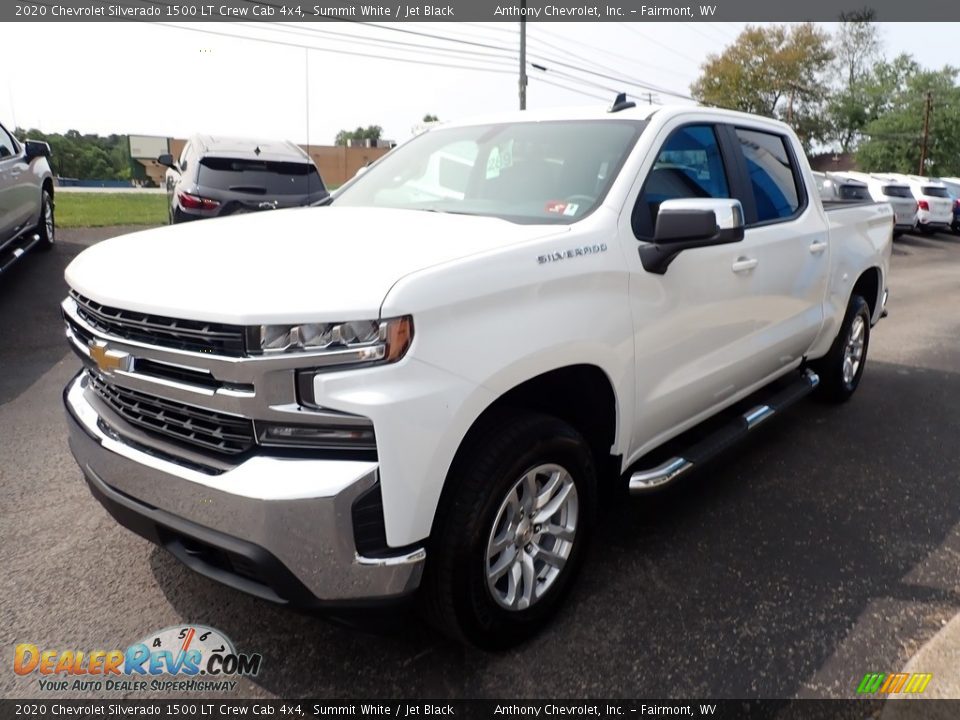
point(817, 247)
point(743, 264)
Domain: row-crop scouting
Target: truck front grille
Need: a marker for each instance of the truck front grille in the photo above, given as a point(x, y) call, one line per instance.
point(193, 335)
point(221, 433)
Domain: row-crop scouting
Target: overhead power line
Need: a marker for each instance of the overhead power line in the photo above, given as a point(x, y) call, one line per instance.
point(541, 79)
point(331, 50)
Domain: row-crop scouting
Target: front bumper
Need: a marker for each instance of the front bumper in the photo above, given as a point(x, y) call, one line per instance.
point(278, 528)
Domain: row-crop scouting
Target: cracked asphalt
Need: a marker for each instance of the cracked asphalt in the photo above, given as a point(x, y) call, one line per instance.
point(825, 548)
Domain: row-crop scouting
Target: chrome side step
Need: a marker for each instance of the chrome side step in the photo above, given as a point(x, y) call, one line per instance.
point(724, 437)
point(8, 256)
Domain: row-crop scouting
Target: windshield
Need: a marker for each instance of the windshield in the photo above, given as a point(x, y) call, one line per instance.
point(934, 191)
point(259, 177)
point(897, 191)
point(854, 192)
point(525, 172)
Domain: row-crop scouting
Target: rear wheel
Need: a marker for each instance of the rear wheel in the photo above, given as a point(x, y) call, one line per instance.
point(840, 369)
point(46, 229)
point(509, 541)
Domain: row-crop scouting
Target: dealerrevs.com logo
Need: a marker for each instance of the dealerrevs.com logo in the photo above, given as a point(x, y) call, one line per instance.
point(176, 659)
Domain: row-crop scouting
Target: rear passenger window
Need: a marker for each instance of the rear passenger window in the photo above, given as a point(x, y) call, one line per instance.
point(772, 176)
point(689, 166)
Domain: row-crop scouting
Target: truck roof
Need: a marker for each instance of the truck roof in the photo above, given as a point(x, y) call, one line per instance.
point(602, 112)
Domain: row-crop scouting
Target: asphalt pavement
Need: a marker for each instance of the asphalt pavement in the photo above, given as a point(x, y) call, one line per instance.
point(824, 549)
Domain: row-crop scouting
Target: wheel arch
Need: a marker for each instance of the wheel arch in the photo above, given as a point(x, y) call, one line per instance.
point(582, 395)
point(869, 286)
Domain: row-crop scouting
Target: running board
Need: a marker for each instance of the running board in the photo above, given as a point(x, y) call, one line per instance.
point(8, 256)
point(724, 437)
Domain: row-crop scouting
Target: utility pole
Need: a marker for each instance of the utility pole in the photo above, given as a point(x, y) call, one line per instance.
point(523, 55)
point(926, 133)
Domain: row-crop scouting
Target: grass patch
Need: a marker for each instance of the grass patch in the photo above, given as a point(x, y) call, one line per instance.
point(80, 209)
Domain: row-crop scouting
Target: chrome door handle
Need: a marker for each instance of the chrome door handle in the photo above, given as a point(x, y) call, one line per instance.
point(743, 264)
point(817, 247)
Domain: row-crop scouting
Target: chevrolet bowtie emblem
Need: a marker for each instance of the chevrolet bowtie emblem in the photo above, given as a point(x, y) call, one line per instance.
point(108, 360)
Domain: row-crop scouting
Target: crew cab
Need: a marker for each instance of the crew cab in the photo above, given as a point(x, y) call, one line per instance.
point(26, 198)
point(406, 392)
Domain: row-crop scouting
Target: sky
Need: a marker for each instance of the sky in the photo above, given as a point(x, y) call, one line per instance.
point(176, 80)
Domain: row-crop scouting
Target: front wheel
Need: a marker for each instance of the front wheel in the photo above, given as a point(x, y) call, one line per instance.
point(842, 367)
point(507, 545)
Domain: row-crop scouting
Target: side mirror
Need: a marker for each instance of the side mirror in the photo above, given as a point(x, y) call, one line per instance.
point(691, 223)
point(167, 160)
point(36, 148)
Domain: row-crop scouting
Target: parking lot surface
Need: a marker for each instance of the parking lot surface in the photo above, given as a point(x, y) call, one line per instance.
point(824, 549)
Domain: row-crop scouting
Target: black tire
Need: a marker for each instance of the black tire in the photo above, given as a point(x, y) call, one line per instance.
point(46, 230)
point(834, 386)
point(455, 594)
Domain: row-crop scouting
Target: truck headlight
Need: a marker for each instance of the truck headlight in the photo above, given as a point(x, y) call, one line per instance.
point(363, 342)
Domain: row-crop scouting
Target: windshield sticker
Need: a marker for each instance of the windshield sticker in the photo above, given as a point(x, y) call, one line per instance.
point(556, 207)
point(571, 209)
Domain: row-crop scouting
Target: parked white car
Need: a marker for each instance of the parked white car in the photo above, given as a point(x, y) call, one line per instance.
point(953, 187)
point(392, 394)
point(889, 189)
point(934, 204)
point(834, 187)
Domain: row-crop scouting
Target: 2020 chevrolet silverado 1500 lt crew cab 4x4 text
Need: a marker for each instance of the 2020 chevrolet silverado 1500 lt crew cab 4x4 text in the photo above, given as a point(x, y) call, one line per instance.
point(423, 390)
point(26, 198)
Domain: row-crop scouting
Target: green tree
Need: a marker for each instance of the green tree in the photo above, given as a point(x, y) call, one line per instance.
point(87, 157)
point(371, 132)
point(429, 117)
point(774, 70)
point(857, 48)
point(893, 140)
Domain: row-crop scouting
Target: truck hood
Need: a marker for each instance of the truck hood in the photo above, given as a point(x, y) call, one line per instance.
point(284, 266)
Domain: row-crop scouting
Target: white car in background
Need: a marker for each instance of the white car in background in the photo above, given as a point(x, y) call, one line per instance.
point(834, 187)
point(890, 189)
point(953, 187)
point(934, 203)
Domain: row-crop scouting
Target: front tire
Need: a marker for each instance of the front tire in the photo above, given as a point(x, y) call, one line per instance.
point(509, 540)
point(47, 227)
point(842, 367)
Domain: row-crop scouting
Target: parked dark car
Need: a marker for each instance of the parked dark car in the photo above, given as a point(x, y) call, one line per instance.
point(26, 198)
point(217, 176)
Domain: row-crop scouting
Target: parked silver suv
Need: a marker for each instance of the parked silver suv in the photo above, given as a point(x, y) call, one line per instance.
point(217, 176)
point(26, 198)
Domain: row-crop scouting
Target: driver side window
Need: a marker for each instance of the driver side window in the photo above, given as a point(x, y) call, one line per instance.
point(689, 166)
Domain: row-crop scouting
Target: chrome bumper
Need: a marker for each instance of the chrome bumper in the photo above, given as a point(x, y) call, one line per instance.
point(278, 528)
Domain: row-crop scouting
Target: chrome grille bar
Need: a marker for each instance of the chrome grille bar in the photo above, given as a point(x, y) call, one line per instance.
point(195, 335)
point(195, 426)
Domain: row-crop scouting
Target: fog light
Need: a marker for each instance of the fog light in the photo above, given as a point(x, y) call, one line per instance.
point(325, 437)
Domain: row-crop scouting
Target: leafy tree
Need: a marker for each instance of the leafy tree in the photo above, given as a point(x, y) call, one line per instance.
point(87, 157)
point(894, 138)
point(857, 48)
point(774, 70)
point(371, 132)
point(429, 117)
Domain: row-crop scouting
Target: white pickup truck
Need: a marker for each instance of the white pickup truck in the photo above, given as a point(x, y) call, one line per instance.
point(422, 390)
